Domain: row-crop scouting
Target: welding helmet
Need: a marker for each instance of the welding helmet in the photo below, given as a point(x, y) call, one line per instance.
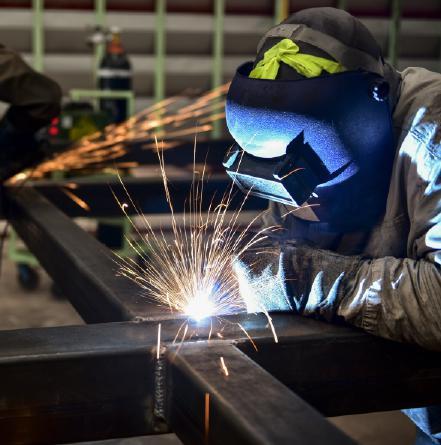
point(325, 142)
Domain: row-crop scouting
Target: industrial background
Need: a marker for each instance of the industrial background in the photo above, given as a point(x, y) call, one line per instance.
point(176, 48)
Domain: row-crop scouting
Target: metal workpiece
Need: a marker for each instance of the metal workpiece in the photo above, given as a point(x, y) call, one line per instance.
point(84, 269)
point(343, 374)
point(105, 380)
point(74, 384)
point(101, 380)
point(219, 395)
point(147, 193)
point(109, 379)
point(68, 342)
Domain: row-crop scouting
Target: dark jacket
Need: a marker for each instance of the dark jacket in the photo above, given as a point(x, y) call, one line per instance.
point(34, 98)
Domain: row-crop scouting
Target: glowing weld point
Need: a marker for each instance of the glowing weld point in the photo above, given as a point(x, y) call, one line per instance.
point(200, 307)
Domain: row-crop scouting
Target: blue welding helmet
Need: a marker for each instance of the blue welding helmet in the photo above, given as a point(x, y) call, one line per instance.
point(325, 141)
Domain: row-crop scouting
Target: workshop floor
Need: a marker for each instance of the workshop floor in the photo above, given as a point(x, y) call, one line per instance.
point(22, 309)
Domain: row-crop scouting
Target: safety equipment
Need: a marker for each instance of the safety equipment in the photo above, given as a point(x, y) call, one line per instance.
point(325, 141)
point(287, 51)
point(115, 74)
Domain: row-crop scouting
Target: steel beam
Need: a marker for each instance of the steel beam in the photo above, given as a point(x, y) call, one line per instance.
point(103, 381)
point(76, 383)
point(363, 373)
point(247, 406)
point(100, 381)
point(209, 151)
point(147, 193)
point(84, 269)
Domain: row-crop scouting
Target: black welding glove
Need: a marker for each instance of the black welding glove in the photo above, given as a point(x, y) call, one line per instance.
point(302, 279)
point(19, 149)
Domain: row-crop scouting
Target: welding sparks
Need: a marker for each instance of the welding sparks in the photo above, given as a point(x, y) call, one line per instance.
point(171, 118)
point(77, 200)
point(158, 347)
point(224, 367)
point(249, 337)
point(207, 417)
point(192, 271)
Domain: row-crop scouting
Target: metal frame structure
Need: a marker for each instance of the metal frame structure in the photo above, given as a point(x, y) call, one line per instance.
point(109, 379)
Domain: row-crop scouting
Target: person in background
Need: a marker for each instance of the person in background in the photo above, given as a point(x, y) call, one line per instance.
point(34, 100)
point(348, 151)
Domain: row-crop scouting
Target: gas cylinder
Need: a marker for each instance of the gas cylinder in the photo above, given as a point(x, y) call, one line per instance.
point(115, 74)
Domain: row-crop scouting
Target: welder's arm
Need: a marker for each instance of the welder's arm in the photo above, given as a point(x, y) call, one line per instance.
point(396, 298)
point(391, 297)
point(34, 98)
point(400, 298)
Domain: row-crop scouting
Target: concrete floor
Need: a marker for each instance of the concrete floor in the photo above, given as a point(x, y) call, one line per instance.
point(22, 309)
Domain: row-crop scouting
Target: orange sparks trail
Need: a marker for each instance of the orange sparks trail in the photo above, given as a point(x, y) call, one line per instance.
point(224, 367)
point(171, 118)
point(273, 330)
point(158, 348)
point(249, 337)
point(207, 417)
point(77, 200)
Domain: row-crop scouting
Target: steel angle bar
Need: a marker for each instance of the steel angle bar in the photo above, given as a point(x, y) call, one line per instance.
point(348, 374)
point(218, 396)
point(147, 193)
point(77, 383)
point(337, 369)
point(84, 269)
point(101, 380)
point(183, 153)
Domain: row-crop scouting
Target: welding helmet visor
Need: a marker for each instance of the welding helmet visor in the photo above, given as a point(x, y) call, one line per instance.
point(324, 141)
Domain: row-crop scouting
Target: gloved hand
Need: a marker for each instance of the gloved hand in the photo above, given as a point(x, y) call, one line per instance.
point(301, 279)
point(262, 284)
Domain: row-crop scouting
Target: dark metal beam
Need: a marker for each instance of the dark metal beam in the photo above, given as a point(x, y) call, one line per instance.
point(247, 407)
point(147, 193)
point(352, 374)
point(84, 269)
point(98, 381)
point(210, 152)
point(77, 383)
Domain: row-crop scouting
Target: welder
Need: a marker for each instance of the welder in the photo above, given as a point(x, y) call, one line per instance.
point(34, 100)
point(348, 151)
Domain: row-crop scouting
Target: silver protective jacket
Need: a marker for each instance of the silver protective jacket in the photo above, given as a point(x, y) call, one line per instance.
point(388, 280)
